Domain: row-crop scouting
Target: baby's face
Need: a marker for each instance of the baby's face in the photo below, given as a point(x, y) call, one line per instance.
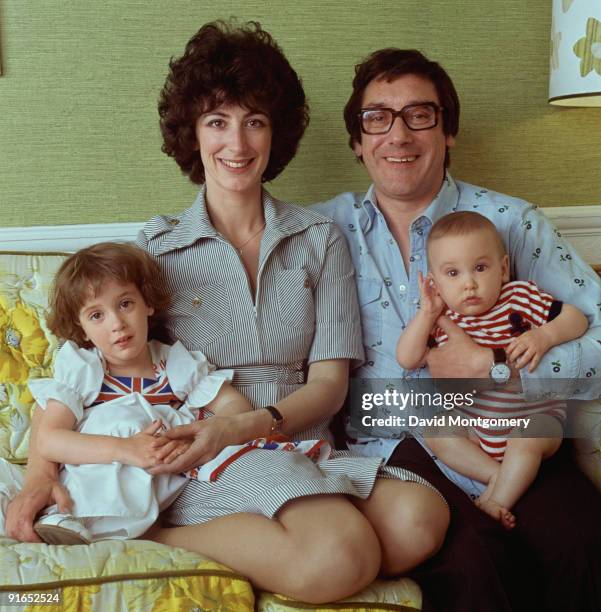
point(468, 270)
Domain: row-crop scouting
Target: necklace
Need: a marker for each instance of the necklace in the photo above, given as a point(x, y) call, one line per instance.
point(241, 247)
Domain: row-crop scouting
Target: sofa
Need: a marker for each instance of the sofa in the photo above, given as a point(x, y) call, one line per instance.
point(136, 575)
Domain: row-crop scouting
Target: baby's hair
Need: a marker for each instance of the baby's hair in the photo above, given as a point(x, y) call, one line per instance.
point(462, 223)
point(86, 271)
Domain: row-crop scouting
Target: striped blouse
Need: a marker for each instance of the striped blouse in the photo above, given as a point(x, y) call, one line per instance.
point(304, 308)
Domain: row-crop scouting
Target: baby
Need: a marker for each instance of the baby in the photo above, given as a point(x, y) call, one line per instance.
point(469, 282)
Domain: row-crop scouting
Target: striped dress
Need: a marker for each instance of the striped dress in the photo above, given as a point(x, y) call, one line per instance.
point(521, 306)
point(304, 309)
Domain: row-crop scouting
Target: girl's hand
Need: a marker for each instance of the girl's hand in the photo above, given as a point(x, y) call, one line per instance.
point(209, 438)
point(148, 449)
point(431, 303)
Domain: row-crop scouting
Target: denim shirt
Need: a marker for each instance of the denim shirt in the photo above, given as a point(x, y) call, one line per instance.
point(389, 294)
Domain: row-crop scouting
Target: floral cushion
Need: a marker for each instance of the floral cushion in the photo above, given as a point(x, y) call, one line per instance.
point(27, 348)
point(403, 594)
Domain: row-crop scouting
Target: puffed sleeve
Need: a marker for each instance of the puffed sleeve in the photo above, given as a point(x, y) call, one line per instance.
point(192, 377)
point(337, 319)
point(78, 375)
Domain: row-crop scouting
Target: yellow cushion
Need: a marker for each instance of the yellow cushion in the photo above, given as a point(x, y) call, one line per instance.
point(27, 348)
point(122, 575)
point(401, 594)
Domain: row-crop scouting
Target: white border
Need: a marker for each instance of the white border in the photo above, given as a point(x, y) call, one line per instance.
point(581, 225)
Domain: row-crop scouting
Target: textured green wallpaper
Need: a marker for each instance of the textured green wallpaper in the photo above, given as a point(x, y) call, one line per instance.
point(79, 139)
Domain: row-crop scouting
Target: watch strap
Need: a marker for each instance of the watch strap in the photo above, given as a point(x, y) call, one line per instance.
point(499, 355)
point(277, 420)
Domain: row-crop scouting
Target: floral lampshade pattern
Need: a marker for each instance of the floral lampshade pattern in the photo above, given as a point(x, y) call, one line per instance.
point(575, 53)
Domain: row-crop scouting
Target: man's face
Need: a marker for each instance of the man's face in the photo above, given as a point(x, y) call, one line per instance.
point(406, 166)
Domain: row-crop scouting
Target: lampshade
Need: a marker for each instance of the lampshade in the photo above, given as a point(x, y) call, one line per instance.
point(575, 70)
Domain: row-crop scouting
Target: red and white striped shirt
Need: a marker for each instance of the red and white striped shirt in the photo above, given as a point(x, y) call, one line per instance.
point(521, 306)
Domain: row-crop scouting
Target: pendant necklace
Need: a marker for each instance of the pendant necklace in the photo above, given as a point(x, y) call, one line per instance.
point(241, 247)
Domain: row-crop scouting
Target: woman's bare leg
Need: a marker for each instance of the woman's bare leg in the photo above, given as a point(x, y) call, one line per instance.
point(410, 520)
point(318, 549)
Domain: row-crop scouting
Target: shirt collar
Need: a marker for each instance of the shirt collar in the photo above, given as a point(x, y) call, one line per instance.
point(445, 202)
point(194, 223)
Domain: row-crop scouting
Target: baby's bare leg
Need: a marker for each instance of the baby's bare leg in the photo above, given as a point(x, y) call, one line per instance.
point(521, 462)
point(461, 452)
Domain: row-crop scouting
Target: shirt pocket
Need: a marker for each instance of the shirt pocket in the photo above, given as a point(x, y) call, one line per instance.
point(201, 315)
point(369, 292)
point(295, 299)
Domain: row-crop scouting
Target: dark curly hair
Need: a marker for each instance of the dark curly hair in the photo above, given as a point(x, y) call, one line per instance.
point(228, 64)
point(390, 64)
point(86, 271)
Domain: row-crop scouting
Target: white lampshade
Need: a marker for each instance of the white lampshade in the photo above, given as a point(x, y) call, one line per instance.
point(575, 70)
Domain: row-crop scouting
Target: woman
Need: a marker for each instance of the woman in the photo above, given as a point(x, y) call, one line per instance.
point(266, 288)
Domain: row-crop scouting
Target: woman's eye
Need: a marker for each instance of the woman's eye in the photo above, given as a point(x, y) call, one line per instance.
point(126, 303)
point(216, 123)
point(256, 123)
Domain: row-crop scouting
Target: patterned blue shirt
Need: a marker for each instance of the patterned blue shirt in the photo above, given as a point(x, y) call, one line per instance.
point(389, 295)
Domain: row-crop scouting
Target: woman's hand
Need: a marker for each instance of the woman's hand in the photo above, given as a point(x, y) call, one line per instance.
point(148, 449)
point(34, 497)
point(209, 438)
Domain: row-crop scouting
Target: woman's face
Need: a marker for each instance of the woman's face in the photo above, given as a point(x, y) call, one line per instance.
point(234, 144)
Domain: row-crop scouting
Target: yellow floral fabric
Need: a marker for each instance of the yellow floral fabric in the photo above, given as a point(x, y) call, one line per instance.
point(27, 348)
point(403, 594)
point(123, 575)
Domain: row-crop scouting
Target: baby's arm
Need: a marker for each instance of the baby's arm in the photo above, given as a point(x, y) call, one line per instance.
point(412, 346)
point(530, 347)
point(58, 442)
point(229, 402)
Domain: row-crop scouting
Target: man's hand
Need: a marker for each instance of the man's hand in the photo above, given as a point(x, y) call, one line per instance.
point(529, 348)
point(460, 357)
point(34, 497)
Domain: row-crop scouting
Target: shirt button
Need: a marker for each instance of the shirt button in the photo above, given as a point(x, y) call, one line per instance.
point(412, 258)
point(196, 302)
point(173, 222)
point(307, 283)
point(402, 288)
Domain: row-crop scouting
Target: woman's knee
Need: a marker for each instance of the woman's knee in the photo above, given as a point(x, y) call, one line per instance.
point(415, 532)
point(335, 560)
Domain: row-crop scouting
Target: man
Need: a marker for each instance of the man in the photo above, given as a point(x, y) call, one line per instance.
point(402, 118)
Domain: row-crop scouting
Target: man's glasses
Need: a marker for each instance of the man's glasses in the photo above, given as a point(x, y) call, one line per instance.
point(416, 117)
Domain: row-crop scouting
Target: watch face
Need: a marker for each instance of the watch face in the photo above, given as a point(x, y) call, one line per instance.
point(500, 372)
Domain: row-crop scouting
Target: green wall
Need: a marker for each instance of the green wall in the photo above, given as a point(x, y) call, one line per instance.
point(79, 139)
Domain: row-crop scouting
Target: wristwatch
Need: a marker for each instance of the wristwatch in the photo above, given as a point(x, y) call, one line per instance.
point(500, 371)
point(277, 420)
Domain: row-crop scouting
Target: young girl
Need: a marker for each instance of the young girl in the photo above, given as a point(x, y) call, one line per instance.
point(469, 282)
point(118, 391)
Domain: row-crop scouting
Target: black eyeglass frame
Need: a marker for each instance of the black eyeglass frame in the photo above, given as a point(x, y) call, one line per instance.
point(400, 113)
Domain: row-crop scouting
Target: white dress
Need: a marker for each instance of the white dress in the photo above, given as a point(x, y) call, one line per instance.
point(123, 500)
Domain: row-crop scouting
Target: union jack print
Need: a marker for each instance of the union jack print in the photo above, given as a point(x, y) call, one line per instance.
point(154, 391)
